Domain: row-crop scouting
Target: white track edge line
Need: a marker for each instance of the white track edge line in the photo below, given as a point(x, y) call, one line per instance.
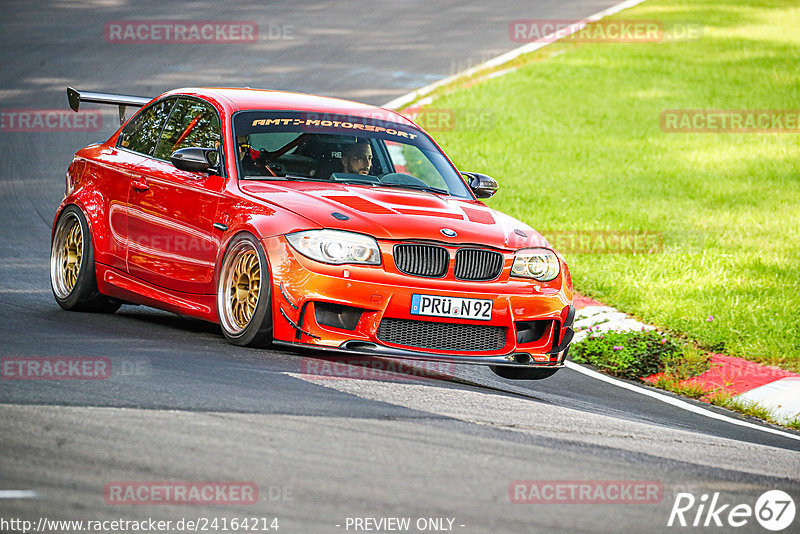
point(675, 402)
point(18, 494)
point(509, 56)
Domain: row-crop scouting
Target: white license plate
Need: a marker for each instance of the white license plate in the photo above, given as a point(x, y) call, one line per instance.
point(441, 306)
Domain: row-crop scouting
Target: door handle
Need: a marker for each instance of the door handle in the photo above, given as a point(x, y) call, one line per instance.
point(140, 184)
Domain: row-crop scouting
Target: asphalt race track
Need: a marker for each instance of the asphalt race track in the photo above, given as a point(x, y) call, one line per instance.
point(187, 406)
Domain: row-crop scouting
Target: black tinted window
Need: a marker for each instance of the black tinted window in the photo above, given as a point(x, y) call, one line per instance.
point(142, 133)
point(191, 124)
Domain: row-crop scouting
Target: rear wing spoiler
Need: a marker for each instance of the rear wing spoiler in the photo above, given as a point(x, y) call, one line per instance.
point(75, 98)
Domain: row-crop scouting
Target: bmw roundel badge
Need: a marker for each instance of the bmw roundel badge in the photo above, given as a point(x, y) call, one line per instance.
point(447, 232)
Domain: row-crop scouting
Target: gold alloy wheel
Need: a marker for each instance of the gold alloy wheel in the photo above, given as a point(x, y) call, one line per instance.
point(67, 255)
point(71, 255)
point(239, 286)
point(244, 288)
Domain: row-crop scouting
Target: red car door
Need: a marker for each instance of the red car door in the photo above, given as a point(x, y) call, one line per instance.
point(171, 212)
point(114, 168)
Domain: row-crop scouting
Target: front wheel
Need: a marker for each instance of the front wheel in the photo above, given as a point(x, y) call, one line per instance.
point(523, 373)
point(72, 271)
point(243, 293)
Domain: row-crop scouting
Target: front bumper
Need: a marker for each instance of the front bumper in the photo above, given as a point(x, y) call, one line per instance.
point(302, 288)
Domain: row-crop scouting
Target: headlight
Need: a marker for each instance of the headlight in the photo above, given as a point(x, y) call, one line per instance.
point(335, 246)
point(537, 263)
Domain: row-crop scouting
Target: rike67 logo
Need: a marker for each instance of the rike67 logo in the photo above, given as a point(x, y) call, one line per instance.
point(774, 510)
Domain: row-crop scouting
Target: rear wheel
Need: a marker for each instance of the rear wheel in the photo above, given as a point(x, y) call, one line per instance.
point(72, 270)
point(523, 373)
point(243, 293)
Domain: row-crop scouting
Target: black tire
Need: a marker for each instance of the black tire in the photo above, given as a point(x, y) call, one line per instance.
point(244, 303)
point(523, 373)
point(73, 278)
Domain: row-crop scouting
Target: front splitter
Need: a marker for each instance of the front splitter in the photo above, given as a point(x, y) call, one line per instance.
point(366, 348)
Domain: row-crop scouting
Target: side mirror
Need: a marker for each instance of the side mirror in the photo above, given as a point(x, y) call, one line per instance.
point(195, 159)
point(483, 186)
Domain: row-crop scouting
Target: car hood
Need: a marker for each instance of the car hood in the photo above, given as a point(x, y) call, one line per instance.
point(397, 214)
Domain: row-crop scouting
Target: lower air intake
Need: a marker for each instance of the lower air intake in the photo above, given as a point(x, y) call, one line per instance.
point(442, 336)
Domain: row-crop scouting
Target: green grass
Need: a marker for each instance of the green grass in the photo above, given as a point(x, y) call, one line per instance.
point(576, 146)
point(692, 390)
point(689, 362)
point(794, 423)
point(631, 355)
point(745, 407)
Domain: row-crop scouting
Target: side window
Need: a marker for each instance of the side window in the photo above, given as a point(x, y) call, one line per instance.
point(408, 159)
point(191, 124)
point(142, 132)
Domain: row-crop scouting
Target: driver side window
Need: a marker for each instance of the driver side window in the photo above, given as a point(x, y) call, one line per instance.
point(192, 123)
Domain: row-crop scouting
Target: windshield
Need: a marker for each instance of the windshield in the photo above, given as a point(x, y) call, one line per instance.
point(291, 145)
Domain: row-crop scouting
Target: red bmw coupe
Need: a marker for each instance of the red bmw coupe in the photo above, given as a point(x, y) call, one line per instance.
point(301, 220)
